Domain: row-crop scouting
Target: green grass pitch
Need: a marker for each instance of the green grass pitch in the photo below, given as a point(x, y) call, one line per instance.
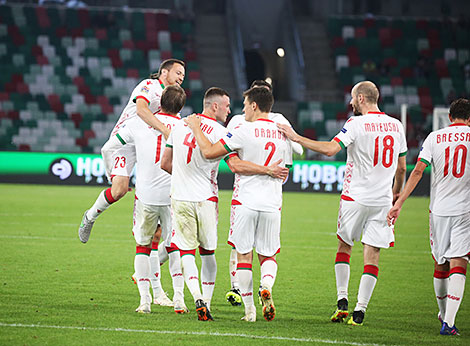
point(55, 290)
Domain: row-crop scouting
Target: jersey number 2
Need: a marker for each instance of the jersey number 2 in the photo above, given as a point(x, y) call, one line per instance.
point(459, 148)
point(272, 146)
point(387, 151)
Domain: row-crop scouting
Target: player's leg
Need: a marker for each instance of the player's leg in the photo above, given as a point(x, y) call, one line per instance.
point(342, 274)
point(245, 281)
point(455, 290)
point(268, 244)
point(176, 272)
point(207, 215)
point(145, 224)
point(440, 282)
point(159, 295)
point(208, 274)
point(268, 277)
point(123, 164)
point(350, 223)
point(233, 296)
point(367, 283)
point(242, 237)
point(186, 239)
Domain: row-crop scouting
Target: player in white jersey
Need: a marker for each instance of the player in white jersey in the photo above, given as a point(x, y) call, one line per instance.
point(194, 195)
point(257, 217)
point(152, 202)
point(233, 296)
point(376, 155)
point(448, 152)
point(144, 102)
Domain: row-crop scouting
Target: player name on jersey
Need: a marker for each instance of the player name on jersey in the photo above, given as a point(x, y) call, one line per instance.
point(381, 127)
point(453, 137)
point(262, 133)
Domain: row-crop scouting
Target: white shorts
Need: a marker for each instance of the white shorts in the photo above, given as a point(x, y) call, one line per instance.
point(355, 219)
point(449, 236)
point(146, 219)
point(123, 161)
point(255, 229)
point(195, 224)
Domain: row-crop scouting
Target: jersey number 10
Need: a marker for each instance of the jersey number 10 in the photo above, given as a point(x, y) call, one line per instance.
point(459, 148)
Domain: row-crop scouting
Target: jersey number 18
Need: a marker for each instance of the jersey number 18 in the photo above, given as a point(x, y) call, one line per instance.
point(387, 151)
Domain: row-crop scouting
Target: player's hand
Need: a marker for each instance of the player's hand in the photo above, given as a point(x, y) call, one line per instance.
point(393, 214)
point(193, 121)
point(288, 132)
point(277, 171)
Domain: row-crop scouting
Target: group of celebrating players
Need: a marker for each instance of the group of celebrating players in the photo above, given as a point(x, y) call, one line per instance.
point(176, 193)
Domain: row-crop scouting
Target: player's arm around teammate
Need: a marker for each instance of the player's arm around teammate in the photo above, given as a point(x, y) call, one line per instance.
point(211, 151)
point(326, 148)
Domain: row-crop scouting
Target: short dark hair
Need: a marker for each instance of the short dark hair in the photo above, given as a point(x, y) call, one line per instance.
point(213, 92)
point(262, 97)
point(173, 99)
point(166, 65)
point(261, 83)
point(460, 109)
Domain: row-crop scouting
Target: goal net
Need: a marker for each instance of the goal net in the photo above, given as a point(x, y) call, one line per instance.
point(440, 118)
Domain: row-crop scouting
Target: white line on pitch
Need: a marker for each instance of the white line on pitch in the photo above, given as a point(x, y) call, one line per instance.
point(221, 245)
point(251, 336)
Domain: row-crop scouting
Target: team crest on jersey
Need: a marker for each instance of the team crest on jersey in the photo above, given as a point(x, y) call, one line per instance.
point(343, 130)
point(149, 82)
point(145, 89)
point(229, 135)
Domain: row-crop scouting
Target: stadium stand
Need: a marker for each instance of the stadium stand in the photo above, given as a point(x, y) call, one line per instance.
point(66, 73)
point(418, 62)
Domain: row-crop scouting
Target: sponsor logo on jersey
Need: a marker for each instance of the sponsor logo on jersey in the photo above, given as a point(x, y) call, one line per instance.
point(145, 89)
point(149, 82)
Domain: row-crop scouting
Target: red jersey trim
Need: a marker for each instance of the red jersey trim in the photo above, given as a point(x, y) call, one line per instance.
point(347, 198)
point(213, 199)
point(230, 156)
point(169, 115)
point(269, 121)
point(424, 161)
point(457, 124)
point(235, 202)
point(375, 113)
point(341, 144)
point(205, 116)
point(141, 97)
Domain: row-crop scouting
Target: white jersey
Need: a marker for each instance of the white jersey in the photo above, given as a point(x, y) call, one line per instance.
point(151, 91)
point(448, 152)
point(374, 142)
point(276, 117)
point(262, 143)
point(194, 178)
point(152, 183)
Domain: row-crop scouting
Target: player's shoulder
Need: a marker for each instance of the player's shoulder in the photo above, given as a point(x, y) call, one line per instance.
point(278, 118)
point(236, 120)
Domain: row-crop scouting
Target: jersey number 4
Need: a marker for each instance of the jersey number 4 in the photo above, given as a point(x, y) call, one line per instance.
point(191, 145)
point(459, 148)
point(387, 151)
